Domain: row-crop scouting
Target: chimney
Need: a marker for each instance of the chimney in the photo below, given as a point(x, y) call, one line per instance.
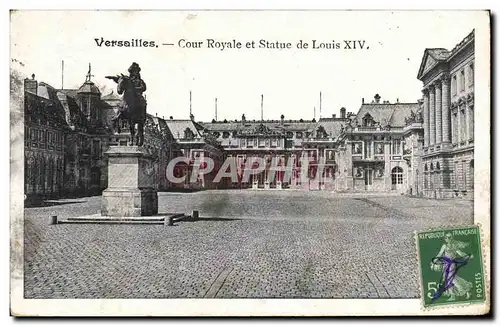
point(363, 100)
point(377, 98)
point(31, 85)
point(282, 118)
point(243, 118)
point(397, 100)
point(334, 116)
point(171, 118)
point(342, 113)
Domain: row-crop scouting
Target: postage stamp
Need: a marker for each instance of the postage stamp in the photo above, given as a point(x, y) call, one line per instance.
point(451, 267)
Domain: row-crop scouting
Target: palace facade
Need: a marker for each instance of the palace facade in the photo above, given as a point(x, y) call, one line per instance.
point(423, 148)
point(448, 98)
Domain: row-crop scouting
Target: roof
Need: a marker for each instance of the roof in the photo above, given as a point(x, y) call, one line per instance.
point(89, 87)
point(434, 56)
point(111, 97)
point(392, 114)
point(43, 108)
point(177, 128)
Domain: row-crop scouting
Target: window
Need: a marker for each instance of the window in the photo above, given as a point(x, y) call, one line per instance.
point(454, 85)
point(397, 175)
point(262, 142)
point(225, 134)
point(368, 149)
point(298, 135)
point(463, 125)
point(462, 80)
point(426, 168)
point(471, 122)
point(471, 74)
point(274, 142)
point(396, 147)
point(454, 126)
point(356, 148)
point(96, 149)
point(367, 120)
point(289, 134)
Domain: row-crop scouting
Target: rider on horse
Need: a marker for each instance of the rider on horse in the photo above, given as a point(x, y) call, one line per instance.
point(140, 87)
point(135, 76)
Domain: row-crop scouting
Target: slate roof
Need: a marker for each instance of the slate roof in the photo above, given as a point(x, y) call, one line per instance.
point(439, 54)
point(392, 114)
point(89, 87)
point(177, 128)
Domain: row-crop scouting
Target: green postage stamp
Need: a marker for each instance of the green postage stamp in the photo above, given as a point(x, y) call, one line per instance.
point(451, 268)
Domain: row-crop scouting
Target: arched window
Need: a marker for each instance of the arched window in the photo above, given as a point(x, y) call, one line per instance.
point(397, 175)
point(438, 167)
point(426, 168)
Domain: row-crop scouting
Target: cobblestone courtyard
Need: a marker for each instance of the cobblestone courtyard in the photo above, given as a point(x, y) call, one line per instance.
point(249, 244)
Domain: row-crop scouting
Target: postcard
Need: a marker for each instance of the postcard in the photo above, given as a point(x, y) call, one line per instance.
point(250, 163)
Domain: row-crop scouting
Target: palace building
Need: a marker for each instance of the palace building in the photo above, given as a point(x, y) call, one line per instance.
point(448, 102)
point(423, 148)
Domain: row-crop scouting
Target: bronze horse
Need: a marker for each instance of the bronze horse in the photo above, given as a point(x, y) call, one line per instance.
point(133, 109)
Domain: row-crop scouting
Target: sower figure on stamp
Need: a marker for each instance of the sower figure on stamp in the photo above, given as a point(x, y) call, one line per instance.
point(133, 108)
point(453, 249)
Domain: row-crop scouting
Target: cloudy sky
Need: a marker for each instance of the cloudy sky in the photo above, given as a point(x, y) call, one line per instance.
point(290, 80)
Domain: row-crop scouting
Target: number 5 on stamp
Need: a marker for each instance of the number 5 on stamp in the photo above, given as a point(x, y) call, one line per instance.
point(451, 267)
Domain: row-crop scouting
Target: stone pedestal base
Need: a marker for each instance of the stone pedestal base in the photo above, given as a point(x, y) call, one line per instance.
point(266, 185)
point(129, 203)
point(278, 185)
point(131, 175)
point(255, 185)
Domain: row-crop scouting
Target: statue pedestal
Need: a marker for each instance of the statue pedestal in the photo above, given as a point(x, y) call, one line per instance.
point(131, 190)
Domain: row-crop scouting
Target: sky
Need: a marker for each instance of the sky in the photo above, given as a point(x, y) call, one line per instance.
point(290, 80)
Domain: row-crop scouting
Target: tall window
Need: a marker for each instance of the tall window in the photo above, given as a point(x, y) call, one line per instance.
point(454, 126)
point(462, 80)
point(471, 74)
point(471, 122)
point(463, 124)
point(368, 149)
point(454, 85)
point(96, 149)
point(396, 147)
point(464, 175)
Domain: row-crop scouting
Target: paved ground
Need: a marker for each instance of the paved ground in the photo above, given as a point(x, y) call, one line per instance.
point(251, 244)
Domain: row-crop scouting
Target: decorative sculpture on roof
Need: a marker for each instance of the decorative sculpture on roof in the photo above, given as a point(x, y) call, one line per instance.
point(133, 108)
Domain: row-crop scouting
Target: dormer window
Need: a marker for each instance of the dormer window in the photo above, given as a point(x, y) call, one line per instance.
point(321, 133)
point(188, 134)
point(368, 121)
point(225, 134)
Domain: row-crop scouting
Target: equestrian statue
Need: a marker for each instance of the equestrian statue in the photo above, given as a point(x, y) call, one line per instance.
point(133, 107)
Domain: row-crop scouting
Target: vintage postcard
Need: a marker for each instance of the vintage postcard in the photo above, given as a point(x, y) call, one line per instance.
point(230, 163)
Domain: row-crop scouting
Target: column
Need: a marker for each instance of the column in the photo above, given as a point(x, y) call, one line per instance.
point(439, 112)
point(446, 109)
point(432, 116)
point(425, 92)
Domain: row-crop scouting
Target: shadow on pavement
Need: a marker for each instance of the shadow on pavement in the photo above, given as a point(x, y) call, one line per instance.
point(49, 203)
point(210, 219)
